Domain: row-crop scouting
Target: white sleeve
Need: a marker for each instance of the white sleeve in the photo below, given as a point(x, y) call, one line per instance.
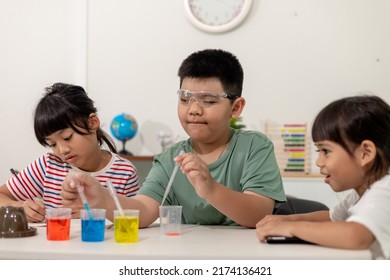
point(373, 211)
point(341, 211)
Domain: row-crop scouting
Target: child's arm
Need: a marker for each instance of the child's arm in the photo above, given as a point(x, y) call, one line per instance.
point(99, 197)
point(245, 208)
point(346, 235)
point(248, 202)
point(316, 216)
point(7, 199)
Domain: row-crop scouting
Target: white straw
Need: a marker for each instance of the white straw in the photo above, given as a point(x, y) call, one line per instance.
point(171, 180)
point(114, 196)
point(81, 193)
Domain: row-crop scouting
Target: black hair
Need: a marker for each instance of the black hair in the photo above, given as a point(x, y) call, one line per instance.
point(214, 63)
point(351, 120)
point(66, 106)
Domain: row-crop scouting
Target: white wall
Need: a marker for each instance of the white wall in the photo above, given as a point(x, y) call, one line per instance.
point(297, 55)
point(41, 42)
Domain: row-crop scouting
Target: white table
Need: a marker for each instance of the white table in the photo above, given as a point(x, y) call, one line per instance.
point(196, 242)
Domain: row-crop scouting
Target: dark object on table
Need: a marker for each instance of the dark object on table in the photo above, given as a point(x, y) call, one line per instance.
point(13, 223)
point(286, 240)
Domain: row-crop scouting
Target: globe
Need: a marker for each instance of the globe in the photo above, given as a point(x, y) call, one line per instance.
point(124, 127)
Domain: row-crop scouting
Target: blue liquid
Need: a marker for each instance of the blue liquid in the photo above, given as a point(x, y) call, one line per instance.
point(92, 230)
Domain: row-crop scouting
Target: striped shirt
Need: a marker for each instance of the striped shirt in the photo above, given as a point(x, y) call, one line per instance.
point(43, 178)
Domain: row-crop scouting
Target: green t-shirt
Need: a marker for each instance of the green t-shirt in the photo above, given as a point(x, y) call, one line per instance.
point(247, 164)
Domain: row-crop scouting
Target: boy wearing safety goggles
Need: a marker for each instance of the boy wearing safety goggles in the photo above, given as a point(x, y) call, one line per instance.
point(228, 176)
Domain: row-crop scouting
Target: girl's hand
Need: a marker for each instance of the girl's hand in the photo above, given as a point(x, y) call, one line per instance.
point(197, 172)
point(92, 190)
point(69, 194)
point(35, 210)
point(274, 228)
point(272, 218)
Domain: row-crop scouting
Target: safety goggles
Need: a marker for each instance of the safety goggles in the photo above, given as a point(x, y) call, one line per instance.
point(202, 98)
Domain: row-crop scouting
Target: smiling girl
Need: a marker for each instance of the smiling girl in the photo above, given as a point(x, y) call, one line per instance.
point(352, 136)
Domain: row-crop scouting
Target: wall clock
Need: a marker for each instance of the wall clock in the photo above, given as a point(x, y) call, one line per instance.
point(217, 16)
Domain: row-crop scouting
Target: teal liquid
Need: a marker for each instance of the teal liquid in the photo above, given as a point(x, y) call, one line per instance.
point(92, 230)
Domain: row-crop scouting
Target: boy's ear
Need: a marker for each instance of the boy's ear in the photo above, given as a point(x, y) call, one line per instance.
point(368, 152)
point(94, 122)
point(238, 106)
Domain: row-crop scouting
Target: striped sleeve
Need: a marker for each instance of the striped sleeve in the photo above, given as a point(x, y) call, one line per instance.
point(28, 183)
point(42, 178)
point(123, 175)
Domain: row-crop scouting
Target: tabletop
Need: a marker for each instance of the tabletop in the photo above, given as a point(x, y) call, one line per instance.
point(195, 242)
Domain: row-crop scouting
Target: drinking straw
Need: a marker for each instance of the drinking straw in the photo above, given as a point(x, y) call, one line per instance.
point(114, 197)
point(171, 180)
point(122, 223)
point(82, 195)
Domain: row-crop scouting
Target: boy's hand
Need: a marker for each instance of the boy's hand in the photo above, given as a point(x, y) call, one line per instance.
point(197, 172)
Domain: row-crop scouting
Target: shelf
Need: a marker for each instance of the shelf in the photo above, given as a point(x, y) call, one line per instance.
point(300, 175)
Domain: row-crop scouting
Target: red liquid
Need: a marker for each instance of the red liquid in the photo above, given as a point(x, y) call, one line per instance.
point(57, 229)
point(172, 233)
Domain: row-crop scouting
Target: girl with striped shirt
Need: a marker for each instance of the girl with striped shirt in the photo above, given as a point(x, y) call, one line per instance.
point(66, 121)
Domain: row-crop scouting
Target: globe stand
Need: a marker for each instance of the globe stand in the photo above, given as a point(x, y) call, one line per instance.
point(124, 151)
